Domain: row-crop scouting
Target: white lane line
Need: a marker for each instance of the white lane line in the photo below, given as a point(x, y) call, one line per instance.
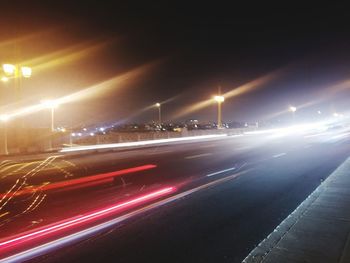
point(207, 146)
point(278, 155)
point(198, 156)
point(222, 171)
point(159, 152)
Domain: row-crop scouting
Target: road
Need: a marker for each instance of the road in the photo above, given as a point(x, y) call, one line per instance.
point(220, 197)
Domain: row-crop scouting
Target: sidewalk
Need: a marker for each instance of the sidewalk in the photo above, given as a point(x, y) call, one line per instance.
point(317, 231)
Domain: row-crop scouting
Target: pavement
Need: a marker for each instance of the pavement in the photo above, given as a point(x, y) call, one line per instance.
point(228, 195)
point(317, 231)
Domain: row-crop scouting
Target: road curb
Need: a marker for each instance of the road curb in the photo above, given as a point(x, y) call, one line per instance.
point(262, 250)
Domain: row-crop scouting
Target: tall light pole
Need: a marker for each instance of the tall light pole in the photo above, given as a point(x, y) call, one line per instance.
point(52, 105)
point(4, 118)
point(219, 99)
point(16, 72)
point(159, 106)
point(293, 109)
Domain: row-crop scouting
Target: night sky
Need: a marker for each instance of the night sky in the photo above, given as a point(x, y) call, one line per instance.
point(189, 50)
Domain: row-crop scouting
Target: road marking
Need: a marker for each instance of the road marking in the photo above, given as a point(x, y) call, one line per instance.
point(207, 146)
point(222, 171)
point(278, 155)
point(159, 152)
point(198, 155)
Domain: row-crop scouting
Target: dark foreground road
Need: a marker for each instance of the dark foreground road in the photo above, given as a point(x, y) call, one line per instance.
point(227, 195)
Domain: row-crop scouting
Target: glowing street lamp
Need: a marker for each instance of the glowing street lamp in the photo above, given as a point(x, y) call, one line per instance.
point(4, 79)
point(51, 104)
point(26, 72)
point(12, 70)
point(292, 109)
point(9, 69)
point(4, 119)
point(159, 106)
point(219, 99)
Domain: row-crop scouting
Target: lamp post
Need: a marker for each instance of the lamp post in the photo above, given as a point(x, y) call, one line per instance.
point(52, 105)
point(16, 72)
point(4, 118)
point(293, 109)
point(219, 99)
point(159, 106)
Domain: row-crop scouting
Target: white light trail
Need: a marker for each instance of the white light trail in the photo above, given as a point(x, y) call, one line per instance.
point(140, 143)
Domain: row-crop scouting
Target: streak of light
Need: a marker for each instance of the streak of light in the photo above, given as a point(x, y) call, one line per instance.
point(61, 242)
point(240, 90)
point(24, 178)
point(198, 156)
point(66, 173)
point(22, 166)
point(92, 91)
point(78, 181)
point(222, 171)
point(65, 56)
point(279, 155)
point(140, 143)
point(4, 214)
point(81, 219)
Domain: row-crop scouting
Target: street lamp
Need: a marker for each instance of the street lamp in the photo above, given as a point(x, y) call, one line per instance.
point(4, 79)
point(293, 109)
point(159, 106)
point(9, 69)
point(51, 104)
point(4, 118)
point(26, 72)
point(12, 70)
point(219, 99)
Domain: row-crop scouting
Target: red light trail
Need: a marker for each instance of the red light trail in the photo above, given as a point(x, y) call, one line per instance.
point(87, 181)
point(77, 221)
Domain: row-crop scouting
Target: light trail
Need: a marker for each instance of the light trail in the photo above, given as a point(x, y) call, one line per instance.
point(222, 171)
point(77, 221)
point(278, 155)
point(72, 238)
point(198, 156)
point(140, 143)
point(96, 179)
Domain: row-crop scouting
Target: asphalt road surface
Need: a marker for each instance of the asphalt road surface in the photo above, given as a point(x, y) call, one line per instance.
point(204, 201)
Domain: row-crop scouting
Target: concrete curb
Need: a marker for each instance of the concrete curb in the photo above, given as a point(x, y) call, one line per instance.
point(262, 250)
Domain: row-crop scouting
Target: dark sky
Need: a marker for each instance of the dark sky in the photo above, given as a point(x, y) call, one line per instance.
point(195, 47)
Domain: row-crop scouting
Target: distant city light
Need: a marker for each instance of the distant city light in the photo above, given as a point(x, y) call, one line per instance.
point(73, 134)
point(92, 134)
point(102, 129)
